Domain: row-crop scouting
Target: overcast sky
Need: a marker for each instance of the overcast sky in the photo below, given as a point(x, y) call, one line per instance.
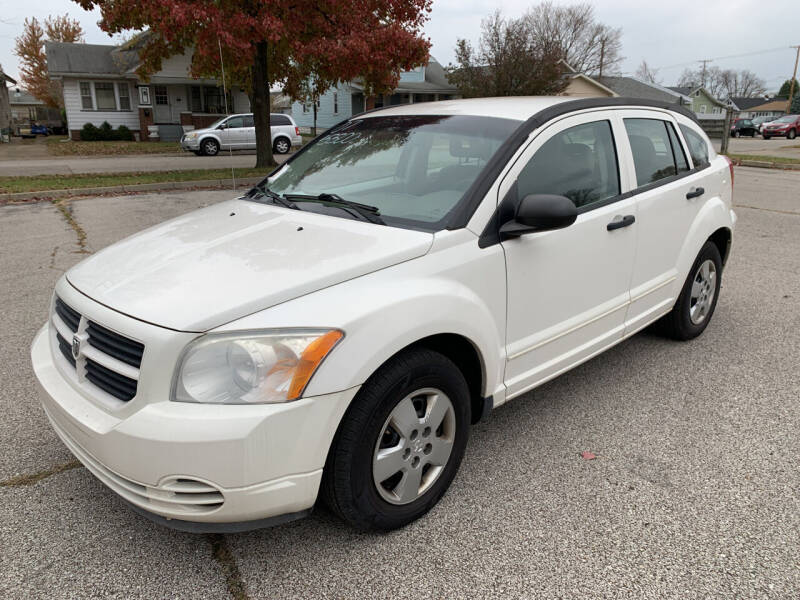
point(678, 32)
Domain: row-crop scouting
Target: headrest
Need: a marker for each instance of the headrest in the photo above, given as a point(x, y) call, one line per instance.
point(470, 148)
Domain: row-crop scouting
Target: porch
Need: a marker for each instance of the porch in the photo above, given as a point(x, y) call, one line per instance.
point(175, 108)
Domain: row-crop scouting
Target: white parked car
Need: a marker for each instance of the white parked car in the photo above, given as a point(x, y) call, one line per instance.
point(335, 332)
point(238, 132)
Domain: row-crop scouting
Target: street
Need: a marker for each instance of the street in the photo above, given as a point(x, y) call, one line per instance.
point(695, 491)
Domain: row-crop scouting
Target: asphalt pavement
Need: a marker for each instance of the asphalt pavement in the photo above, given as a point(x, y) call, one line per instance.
point(695, 491)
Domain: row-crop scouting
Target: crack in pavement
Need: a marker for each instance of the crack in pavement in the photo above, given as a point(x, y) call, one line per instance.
point(31, 478)
point(775, 210)
point(65, 209)
point(223, 555)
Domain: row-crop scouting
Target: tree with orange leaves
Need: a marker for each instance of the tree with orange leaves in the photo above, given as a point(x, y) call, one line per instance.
point(29, 47)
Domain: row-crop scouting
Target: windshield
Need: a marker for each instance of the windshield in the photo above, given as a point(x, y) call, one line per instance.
point(786, 119)
point(414, 169)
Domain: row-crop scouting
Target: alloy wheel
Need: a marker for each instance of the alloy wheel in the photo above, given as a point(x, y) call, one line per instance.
point(704, 287)
point(414, 446)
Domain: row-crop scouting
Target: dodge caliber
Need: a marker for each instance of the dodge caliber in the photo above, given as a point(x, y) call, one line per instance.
point(333, 334)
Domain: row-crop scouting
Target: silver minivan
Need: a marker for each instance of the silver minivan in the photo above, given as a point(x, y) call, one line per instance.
point(238, 132)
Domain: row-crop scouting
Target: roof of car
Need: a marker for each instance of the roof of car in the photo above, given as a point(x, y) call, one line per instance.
point(520, 108)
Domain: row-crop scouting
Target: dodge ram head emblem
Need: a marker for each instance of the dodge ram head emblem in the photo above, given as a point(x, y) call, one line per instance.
point(76, 346)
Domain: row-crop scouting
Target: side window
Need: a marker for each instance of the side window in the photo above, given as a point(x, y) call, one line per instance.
point(248, 121)
point(698, 149)
point(652, 150)
point(235, 122)
point(579, 163)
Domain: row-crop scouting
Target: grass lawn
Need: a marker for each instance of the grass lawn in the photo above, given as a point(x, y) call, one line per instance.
point(763, 158)
point(36, 183)
point(57, 147)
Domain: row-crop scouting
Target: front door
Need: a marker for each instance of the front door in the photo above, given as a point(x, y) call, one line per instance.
point(162, 111)
point(568, 289)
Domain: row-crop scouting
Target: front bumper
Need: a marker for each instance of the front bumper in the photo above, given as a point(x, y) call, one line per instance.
point(775, 132)
point(192, 145)
point(197, 463)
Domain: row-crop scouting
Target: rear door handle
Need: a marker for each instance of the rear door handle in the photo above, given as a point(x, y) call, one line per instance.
point(619, 222)
point(695, 193)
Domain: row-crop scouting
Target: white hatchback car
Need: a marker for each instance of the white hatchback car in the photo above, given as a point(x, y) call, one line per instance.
point(335, 332)
point(238, 132)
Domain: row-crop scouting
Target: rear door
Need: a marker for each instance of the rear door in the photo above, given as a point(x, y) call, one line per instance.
point(568, 288)
point(248, 137)
point(667, 189)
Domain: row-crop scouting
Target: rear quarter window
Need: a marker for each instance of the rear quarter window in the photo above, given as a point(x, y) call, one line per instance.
point(698, 148)
point(277, 120)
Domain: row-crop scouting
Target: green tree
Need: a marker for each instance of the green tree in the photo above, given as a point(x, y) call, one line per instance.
point(795, 108)
point(787, 85)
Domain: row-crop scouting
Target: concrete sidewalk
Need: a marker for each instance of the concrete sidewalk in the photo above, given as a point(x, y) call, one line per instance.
point(127, 163)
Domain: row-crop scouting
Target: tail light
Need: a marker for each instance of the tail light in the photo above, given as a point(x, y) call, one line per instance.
point(730, 166)
point(297, 130)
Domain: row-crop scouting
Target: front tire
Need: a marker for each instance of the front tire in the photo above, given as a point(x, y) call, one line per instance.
point(695, 306)
point(209, 147)
point(400, 443)
point(791, 135)
point(736, 134)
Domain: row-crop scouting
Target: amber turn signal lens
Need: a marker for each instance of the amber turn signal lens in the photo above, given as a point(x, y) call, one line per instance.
point(309, 361)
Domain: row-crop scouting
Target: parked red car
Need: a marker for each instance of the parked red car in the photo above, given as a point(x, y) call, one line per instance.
point(788, 126)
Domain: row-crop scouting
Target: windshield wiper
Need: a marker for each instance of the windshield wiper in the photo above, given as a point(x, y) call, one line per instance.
point(276, 198)
point(358, 210)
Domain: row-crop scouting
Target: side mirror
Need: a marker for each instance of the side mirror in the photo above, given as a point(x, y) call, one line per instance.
point(540, 212)
point(222, 126)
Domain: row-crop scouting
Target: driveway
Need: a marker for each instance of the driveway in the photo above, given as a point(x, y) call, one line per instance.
point(695, 492)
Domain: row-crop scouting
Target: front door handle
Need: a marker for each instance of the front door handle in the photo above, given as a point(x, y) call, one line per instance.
point(695, 193)
point(619, 222)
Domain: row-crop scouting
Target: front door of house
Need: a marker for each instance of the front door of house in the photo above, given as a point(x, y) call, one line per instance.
point(162, 111)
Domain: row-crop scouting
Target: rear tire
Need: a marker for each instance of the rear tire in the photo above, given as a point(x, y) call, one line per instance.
point(766, 137)
point(791, 135)
point(695, 306)
point(415, 412)
point(281, 146)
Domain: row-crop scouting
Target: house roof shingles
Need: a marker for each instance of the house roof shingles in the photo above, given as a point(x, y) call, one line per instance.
point(630, 87)
point(65, 58)
point(743, 103)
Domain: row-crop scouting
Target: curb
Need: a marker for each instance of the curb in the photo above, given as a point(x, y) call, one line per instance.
point(127, 189)
point(764, 164)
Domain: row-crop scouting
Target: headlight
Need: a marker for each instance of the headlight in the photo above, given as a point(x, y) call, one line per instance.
point(251, 367)
point(191, 136)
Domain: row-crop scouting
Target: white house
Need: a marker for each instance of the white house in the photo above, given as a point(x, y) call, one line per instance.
point(424, 84)
point(100, 85)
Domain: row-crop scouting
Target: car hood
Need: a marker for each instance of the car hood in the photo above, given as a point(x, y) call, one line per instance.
point(229, 260)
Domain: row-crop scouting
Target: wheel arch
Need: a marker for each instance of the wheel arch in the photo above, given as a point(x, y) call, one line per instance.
point(722, 238)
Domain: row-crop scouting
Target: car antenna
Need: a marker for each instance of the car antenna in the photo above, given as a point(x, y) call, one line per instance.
point(227, 114)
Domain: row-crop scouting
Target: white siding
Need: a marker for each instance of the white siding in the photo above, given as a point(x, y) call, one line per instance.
point(77, 117)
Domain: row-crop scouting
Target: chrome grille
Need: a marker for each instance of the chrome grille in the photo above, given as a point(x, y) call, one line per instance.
point(105, 359)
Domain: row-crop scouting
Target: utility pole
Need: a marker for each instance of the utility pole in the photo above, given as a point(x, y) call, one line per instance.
point(703, 76)
point(603, 54)
point(794, 76)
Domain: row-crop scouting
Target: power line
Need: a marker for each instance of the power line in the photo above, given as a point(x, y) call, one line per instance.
point(754, 53)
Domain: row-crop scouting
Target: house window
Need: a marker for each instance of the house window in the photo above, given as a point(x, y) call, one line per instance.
point(161, 95)
point(104, 95)
point(305, 107)
point(124, 96)
point(208, 99)
point(703, 108)
point(196, 98)
point(86, 96)
point(336, 103)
